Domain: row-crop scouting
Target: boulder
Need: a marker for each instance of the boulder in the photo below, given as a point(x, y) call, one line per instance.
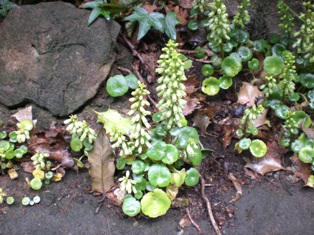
point(50, 57)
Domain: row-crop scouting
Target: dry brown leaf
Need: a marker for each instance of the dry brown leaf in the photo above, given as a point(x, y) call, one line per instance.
point(149, 8)
point(102, 167)
point(24, 114)
point(300, 169)
point(201, 121)
point(190, 84)
point(270, 162)
point(186, 3)
point(185, 222)
point(191, 105)
point(182, 15)
point(261, 119)
point(248, 94)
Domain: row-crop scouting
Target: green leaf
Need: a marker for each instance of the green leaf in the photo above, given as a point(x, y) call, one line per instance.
point(185, 136)
point(131, 206)
point(117, 86)
point(76, 144)
point(258, 148)
point(273, 65)
point(307, 80)
point(192, 177)
point(155, 204)
point(170, 25)
point(157, 150)
point(138, 166)
point(159, 175)
point(231, 66)
point(120, 164)
point(93, 15)
point(132, 81)
point(113, 121)
point(178, 178)
point(146, 21)
point(210, 86)
point(171, 155)
point(225, 82)
point(306, 154)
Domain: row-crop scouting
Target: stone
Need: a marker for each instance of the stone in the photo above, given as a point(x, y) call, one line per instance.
point(51, 58)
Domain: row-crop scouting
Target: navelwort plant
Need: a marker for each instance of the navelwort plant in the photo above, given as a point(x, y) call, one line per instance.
point(156, 157)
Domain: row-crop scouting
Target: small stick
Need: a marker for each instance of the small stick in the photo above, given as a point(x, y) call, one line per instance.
point(193, 222)
point(134, 51)
point(124, 69)
point(209, 209)
point(237, 186)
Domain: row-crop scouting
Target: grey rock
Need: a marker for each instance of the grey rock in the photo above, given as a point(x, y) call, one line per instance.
point(50, 57)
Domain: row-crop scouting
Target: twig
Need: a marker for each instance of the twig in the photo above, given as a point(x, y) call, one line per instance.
point(209, 209)
point(134, 51)
point(237, 186)
point(124, 69)
point(193, 222)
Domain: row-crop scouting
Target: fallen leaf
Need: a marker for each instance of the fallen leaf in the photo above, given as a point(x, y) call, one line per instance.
point(191, 105)
point(270, 162)
point(190, 84)
point(201, 121)
point(185, 222)
point(300, 169)
point(102, 166)
point(24, 114)
point(310, 181)
point(230, 125)
point(186, 3)
point(149, 8)
point(248, 94)
point(13, 174)
point(182, 15)
point(261, 119)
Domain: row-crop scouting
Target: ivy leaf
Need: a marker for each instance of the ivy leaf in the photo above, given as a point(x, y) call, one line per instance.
point(146, 21)
point(170, 25)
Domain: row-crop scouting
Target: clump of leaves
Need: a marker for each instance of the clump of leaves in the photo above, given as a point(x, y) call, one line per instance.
point(163, 23)
point(5, 6)
point(154, 156)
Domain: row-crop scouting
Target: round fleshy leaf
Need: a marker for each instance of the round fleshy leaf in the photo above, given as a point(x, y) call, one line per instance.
point(26, 125)
point(216, 60)
point(36, 184)
point(225, 82)
point(214, 47)
point(13, 136)
point(278, 49)
point(192, 177)
point(241, 36)
point(117, 86)
point(159, 175)
point(9, 200)
point(244, 143)
point(310, 95)
point(299, 116)
point(9, 154)
point(3, 134)
point(236, 56)
point(228, 47)
point(185, 135)
point(294, 97)
point(245, 53)
point(307, 80)
point(76, 144)
point(155, 204)
point(285, 142)
point(25, 201)
point(120, 164)
point(253, 64)
point(306, 154)
point(207, 70)
point(231, 66)
point(273, 65)
point(131, 206)
point(296, 145)
point(258, 148)
point(210, 86)
point(201, 54)
point(172, 154)
point(138, 166)
point(4, 145)
point(193, 25)
point(282, 111)
point(259, 45)
point(20, 151)
point(194, 155)
point(178, 178)
point(274, 38)
point(157, 150)
point(132, 81)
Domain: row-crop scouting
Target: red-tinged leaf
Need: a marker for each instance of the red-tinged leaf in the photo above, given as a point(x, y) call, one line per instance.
point(191, 105)
point(149, 8)
point(102, 166)
point(272, 161)
point(186, 3)
point(190, 84)
point(182, 15)
point(300, 169)
point(248, 94)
